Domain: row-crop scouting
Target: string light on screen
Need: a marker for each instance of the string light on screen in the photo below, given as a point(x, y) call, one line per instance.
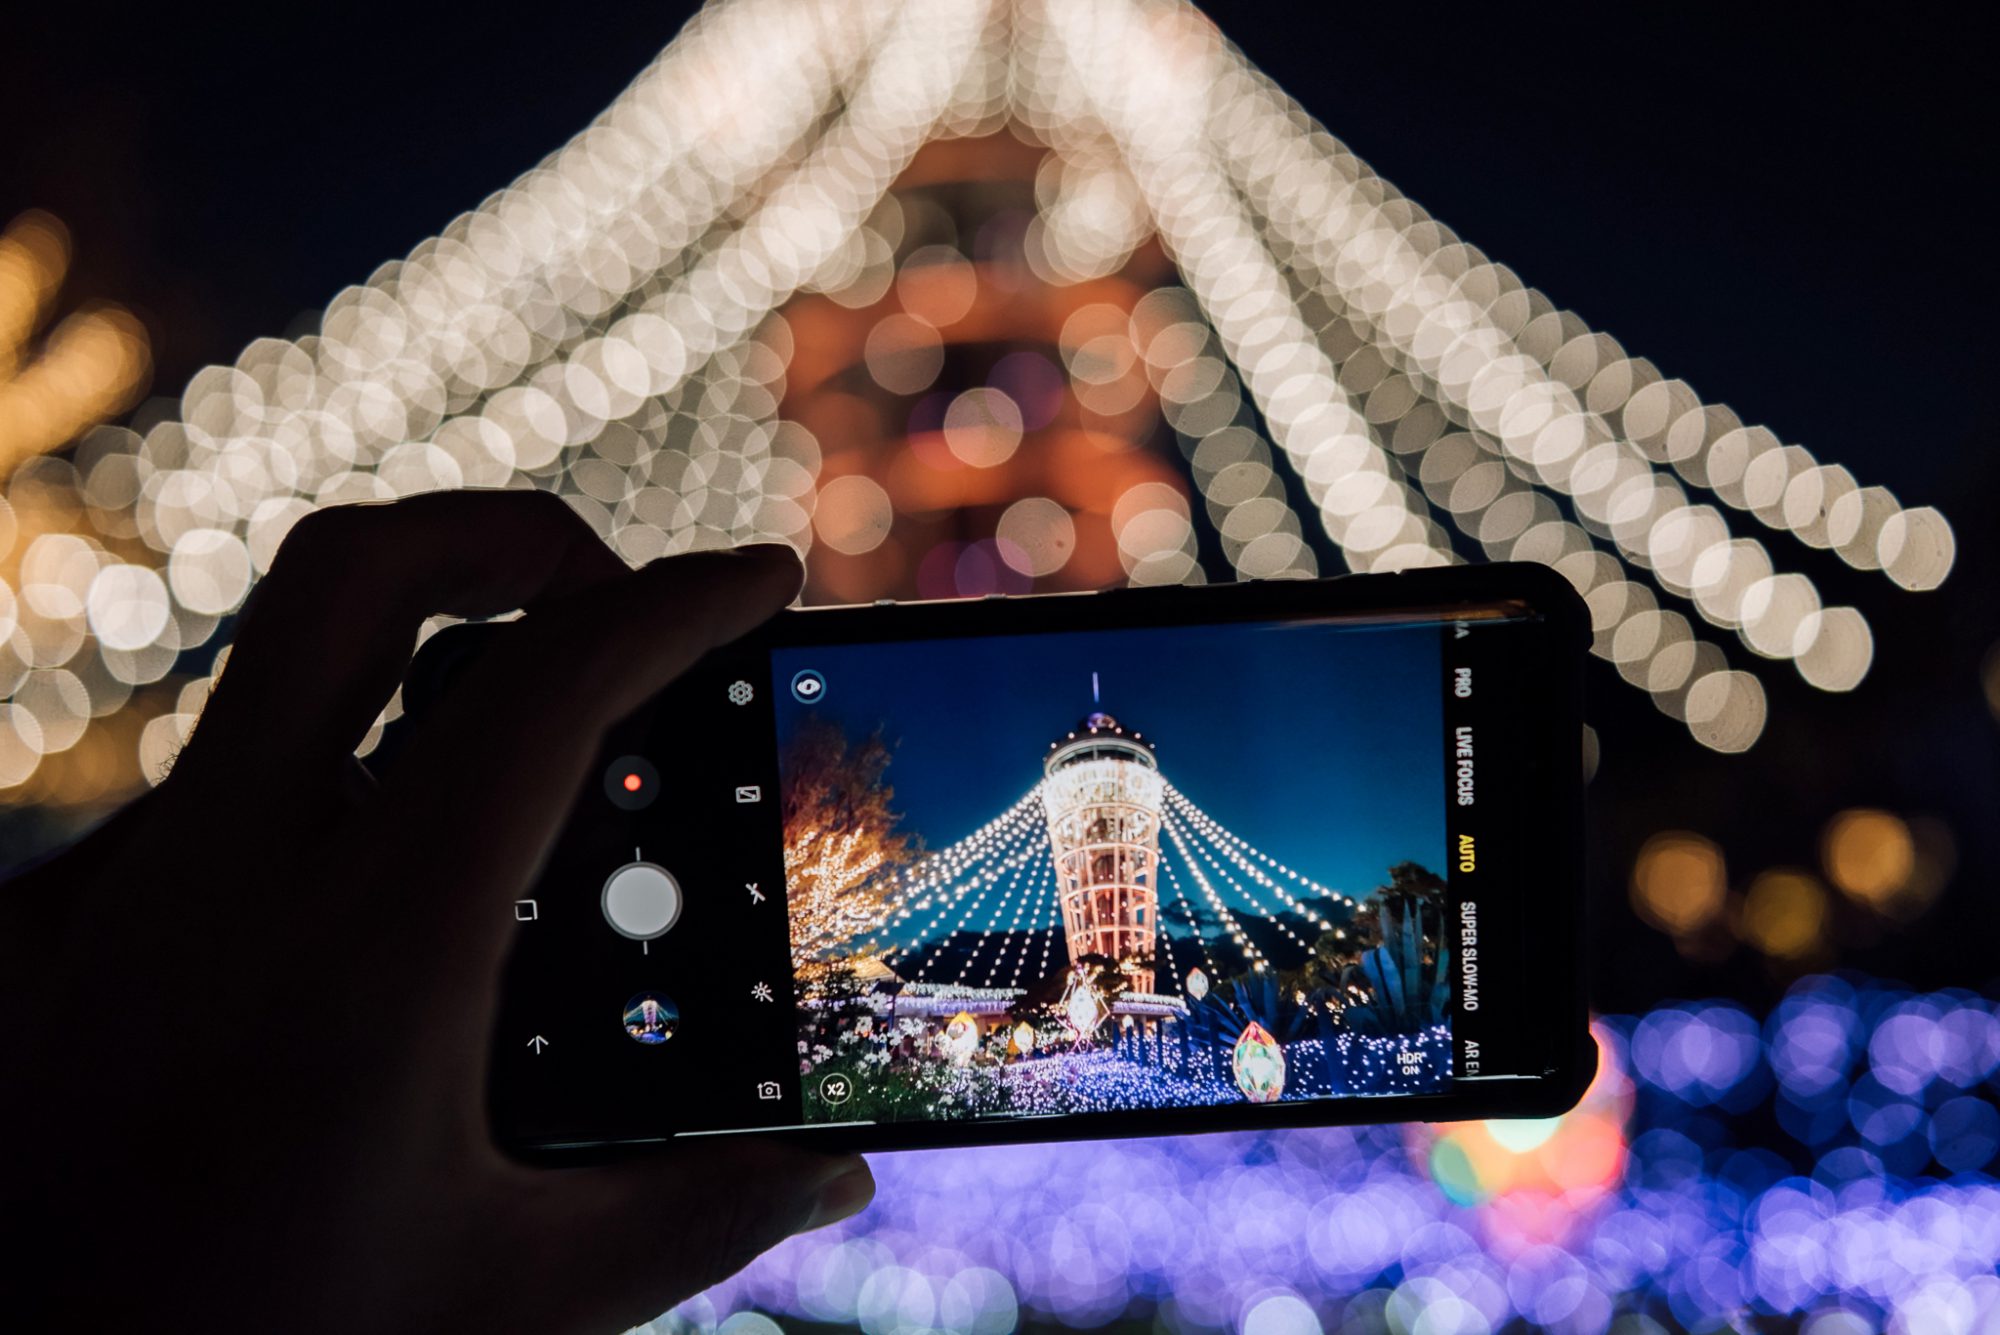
point(1000, 881)
point(617, 326)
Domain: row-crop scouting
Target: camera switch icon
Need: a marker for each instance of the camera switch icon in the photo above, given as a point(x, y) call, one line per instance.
point(768, 1090)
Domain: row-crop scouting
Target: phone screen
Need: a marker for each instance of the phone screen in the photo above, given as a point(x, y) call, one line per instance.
point(1116, 872)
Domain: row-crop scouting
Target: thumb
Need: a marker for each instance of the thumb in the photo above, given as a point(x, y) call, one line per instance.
point(625, 1244)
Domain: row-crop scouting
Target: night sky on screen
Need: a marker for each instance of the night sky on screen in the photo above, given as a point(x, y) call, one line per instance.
point(1321, 746)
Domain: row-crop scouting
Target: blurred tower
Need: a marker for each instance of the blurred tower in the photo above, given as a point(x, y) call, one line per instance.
point(977, 416)
point(1102, 794)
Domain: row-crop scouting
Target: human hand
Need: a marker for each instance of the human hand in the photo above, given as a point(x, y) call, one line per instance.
point(248, 1017)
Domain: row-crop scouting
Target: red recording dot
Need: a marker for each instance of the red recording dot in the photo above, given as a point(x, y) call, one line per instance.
point(633, 783)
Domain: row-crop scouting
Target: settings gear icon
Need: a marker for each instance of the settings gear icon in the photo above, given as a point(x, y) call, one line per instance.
point(741, 693)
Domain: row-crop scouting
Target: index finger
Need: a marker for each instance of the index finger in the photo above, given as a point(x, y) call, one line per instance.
point(328, 632)
point(471, 810)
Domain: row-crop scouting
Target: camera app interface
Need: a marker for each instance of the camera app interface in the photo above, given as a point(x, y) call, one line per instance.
point(1123, 869)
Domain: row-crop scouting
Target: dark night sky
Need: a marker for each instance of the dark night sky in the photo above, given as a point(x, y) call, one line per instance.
point(1781, 210)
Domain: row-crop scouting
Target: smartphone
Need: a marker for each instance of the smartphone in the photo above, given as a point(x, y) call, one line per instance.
point(1139, 862)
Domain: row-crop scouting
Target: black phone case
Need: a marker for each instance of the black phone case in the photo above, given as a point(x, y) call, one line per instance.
point(680, 738)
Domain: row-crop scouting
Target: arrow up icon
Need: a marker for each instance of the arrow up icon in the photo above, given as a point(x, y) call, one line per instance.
point(538, 1043)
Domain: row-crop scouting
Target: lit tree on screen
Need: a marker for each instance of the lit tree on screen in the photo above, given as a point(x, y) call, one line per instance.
point(841, 843)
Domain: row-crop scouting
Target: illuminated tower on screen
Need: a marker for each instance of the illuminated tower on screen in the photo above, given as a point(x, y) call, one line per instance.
point(1102, 793)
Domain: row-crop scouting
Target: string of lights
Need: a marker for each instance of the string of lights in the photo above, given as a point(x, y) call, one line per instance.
point(1202, 400)
point(1654, 649)
point(1049, 937)
point(971, 906)
point(1251, 954)
point(211, 487)
point(299, 424)
point(615, 326)
point(1236, 845)
point(779, 514)
point(805, 218)
point(1165, 950)
point(927, 870)
point(1468, 312)
point(1240, 852)
point(955, 884)
point(649, 180)
point(1221, 873)
point(941, 866)
point(1449, 298)
point(1535, 416)
point(1369, 511)
point(1724, 708)
point(1194, 926)
point(986, 932)
point(1727, 708)
point(992, 860)
point(1041, 890)
point(1021, 840)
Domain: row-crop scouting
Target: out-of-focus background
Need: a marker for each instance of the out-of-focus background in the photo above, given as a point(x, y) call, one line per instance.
point(965, 298)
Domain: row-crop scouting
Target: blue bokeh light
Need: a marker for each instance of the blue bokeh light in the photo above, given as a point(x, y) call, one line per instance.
point(1830, 1163)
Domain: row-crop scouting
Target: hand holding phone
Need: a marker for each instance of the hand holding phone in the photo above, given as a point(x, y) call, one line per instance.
point(1131, 863)
point(248, 1017)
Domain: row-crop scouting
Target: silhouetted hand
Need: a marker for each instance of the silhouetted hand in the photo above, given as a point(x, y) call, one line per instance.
point(246, 1020)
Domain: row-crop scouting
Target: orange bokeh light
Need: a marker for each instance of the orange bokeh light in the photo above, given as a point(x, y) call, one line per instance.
point(1536, 1181)
point(1679, 882)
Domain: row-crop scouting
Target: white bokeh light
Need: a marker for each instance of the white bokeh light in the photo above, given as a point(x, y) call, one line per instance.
point(1342, 373)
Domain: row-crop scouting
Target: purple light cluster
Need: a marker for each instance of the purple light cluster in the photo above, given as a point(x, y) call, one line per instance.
point(1828, 1166)
point(1095, 1080)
